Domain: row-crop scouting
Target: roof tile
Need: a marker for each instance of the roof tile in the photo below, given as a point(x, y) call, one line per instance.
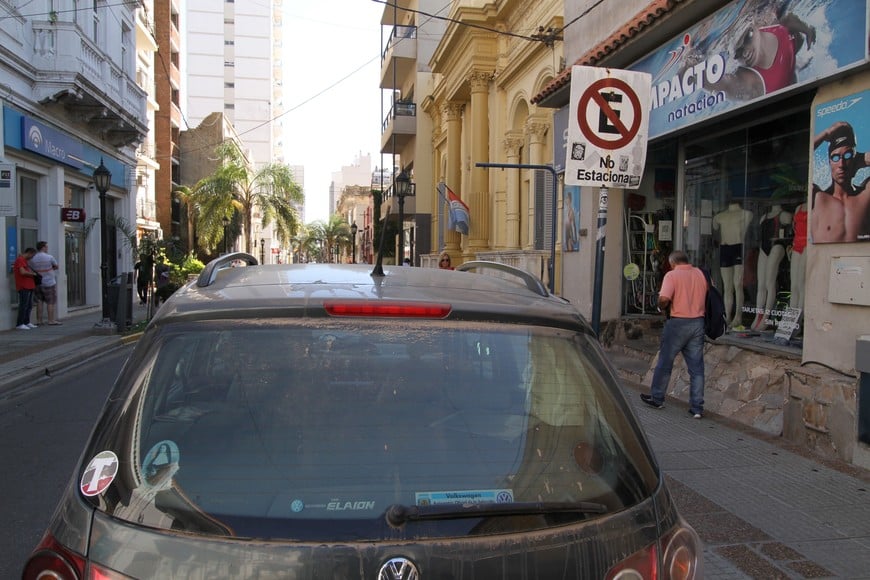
point(643, 19)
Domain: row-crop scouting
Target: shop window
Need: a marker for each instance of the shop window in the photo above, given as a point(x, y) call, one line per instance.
point(741, 192)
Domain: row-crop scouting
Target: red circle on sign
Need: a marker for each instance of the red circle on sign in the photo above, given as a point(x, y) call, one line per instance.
point(592, 94)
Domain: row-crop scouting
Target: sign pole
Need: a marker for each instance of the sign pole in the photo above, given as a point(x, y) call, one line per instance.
point(599, 260)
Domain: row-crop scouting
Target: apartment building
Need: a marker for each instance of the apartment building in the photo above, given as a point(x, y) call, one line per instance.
point(409, 39)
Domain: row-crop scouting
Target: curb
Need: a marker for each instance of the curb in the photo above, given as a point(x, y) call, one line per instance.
point(56, 365)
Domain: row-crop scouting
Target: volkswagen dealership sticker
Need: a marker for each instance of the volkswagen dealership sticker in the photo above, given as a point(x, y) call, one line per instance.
point(100, 472)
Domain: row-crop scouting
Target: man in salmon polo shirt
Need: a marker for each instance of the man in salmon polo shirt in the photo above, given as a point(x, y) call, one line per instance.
point(682, 296)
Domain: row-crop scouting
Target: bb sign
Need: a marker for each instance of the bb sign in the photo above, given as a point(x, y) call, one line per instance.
point(608, 125)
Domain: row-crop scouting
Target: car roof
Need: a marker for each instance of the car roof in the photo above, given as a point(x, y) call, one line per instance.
point(505, 294)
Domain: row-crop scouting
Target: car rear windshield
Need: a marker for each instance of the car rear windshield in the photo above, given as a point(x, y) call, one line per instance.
point(313, 429)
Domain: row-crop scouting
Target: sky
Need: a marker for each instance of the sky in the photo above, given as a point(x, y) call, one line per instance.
point(332, 101)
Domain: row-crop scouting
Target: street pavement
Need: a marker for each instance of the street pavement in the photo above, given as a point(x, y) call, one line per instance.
point(764, 509)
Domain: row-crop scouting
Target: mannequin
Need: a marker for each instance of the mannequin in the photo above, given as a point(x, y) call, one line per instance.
point(798, 257)
point(732, 224)
point(772, 225)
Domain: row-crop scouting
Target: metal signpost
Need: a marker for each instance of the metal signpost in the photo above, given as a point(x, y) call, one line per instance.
point(607, 135)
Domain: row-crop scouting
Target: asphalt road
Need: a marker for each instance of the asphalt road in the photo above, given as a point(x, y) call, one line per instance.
point(43, 429)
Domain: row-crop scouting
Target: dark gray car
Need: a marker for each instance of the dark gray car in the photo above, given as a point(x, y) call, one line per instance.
point(324, 421)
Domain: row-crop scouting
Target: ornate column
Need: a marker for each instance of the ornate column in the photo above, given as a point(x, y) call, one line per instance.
point(537, 132)
point(452, 113)
point(512, 143)
point(478, 201)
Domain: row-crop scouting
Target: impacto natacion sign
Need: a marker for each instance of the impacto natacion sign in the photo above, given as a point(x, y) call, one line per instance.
point(607, 127)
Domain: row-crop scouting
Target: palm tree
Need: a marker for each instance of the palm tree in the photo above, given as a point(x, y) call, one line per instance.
point(234, 190)
point(186, 195)
point(303, 244)
point(335, 233)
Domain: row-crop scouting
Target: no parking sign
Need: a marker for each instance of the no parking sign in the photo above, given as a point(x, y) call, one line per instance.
point(607, 127)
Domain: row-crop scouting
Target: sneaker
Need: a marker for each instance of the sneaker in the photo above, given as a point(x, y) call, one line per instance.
point(23, 327)
point(32, 325)
point(649, 401)
point(696, 415)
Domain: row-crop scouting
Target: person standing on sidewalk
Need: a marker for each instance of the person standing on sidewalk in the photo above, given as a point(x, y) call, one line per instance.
point(25, 284)
point(682, 297)
point(45, 265)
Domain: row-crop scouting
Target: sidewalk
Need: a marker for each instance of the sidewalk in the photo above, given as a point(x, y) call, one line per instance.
point(764, 508)
point(27, 354)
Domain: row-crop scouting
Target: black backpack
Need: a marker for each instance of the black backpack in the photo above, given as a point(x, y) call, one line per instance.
point(715, 322)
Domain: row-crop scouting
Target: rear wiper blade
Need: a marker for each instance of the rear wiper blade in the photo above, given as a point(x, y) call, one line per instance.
point(398, 514)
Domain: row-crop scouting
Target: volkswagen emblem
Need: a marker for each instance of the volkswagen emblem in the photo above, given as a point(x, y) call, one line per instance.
point(398, 569)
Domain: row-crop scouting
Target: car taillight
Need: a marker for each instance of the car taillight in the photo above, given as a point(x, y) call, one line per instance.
point(387, 309)
point(52, 561)
point(681, 559)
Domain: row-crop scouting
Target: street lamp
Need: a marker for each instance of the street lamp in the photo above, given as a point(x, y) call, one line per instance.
point(353, 231)
point(102, 181)
point(262, 250)
point(404, 188)
point(226, 242)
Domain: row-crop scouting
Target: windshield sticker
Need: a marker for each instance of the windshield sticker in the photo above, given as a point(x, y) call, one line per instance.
point(472, 496)
point(99, 473)
point(338, 505)
point(160, 464)
point(333, 505)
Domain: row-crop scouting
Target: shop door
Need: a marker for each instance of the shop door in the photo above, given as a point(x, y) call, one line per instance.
point(75, 267)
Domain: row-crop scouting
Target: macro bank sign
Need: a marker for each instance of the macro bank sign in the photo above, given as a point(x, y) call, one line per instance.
point(51, 143)
point(747, 51)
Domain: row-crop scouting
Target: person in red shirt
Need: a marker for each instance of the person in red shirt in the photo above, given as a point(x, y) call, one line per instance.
point(683, 294)
point(25, 284)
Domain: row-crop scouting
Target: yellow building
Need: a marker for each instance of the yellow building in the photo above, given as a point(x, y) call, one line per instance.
point(492, 60)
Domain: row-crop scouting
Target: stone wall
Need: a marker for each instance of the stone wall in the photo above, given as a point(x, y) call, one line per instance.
point(810, 406)
point(743, 385)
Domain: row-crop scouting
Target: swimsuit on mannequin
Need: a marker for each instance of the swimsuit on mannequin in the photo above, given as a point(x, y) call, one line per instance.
point(798, 265)
point(770, 254)
point(732, 224)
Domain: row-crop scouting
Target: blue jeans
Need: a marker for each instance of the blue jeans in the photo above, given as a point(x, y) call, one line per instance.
point(25, 305)
point(685, 335)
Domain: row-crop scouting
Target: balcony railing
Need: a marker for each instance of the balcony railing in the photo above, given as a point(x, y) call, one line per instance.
point(76, 65)
point(399, 34)
point(532, 261)
point(400, 109)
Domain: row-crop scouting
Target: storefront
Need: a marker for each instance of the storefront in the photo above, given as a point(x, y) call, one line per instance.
point(756, 165)
point(47, 195)
point(728, 169)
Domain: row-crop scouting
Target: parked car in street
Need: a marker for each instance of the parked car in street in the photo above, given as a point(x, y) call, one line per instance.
point(339, 421)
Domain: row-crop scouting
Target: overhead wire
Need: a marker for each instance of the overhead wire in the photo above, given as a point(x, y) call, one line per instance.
point(548, 37)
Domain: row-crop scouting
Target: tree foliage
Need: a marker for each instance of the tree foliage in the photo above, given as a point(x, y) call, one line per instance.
point(233, 191)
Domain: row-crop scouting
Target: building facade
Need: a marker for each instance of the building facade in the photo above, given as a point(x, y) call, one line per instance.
point(169, 121)
point(482, 113)
point(71, 99)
